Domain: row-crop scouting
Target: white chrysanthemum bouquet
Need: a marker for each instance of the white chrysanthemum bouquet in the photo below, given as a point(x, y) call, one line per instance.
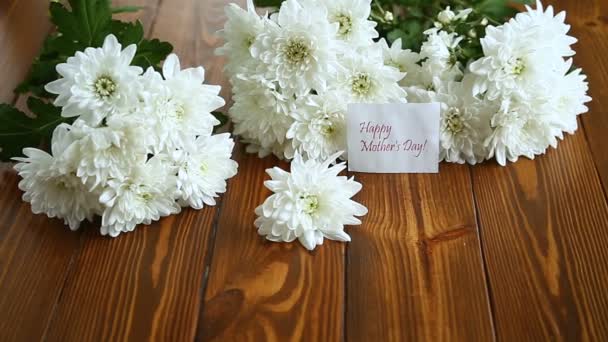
point(516, 99)
point(294, 72)
point(140, 148)
point(505, 91)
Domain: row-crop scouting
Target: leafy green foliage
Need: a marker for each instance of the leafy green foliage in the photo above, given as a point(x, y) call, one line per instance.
point(79, 24)
point(82, 24)
point(18, 131)
point(408, 19)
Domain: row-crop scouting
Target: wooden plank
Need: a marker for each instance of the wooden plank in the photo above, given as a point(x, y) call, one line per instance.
point(20, 40)
point(414, 269)
point(590, 25)
point(544, 222)
point(145, 284)
point(544, 226)
point(35, 252)
point(264, 291)
point(261, 290)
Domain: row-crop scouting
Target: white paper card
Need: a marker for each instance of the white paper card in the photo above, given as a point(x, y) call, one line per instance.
point(393, 138)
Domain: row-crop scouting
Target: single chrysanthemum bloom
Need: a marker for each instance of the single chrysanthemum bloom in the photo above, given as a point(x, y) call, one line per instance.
point(406, 61)
point(309, 204)
point(550, 29)
point(52, 188)
point(146, 195)
point(297, 48)
point(180, 104)
point(240, 32)
point(319, 129)
point(203, 169)
point(365, 79)
point(439, 55)
point(107, 152)
point(519, 129)
point(261, 113)
point(568, 98)
point(97, 82)
point(464, 125)
point(522, 54)
point(352, 17)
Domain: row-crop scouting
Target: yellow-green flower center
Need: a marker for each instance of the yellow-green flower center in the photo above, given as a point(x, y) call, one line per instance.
point(345, 22)
point(310, 203)
point(296, 51)
point(104, 86)
point(204, 167)
point(249, 40)
point(327, 127)
point(146, 197)
point(361, 84)
point(397, 65)
point(454, 122)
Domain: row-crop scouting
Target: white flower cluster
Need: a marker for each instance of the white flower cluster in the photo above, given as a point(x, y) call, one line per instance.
point(517, 100)
point(294, 73)
point(141, 146)
point(309, 204)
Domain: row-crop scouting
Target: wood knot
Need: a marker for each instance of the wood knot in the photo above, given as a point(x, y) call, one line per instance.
point(427, 243)
point(220, 311)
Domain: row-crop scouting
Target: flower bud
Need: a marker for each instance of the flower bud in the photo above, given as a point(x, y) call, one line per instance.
point(388, 16)
point(446, 16)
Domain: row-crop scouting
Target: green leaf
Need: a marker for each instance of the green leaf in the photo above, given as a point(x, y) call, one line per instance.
point(93, 19)
point(18, 131)
point(126, 9)
point(128, 33)
point(151, 53)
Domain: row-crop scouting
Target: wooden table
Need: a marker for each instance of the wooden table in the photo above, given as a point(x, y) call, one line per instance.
point(481, 253)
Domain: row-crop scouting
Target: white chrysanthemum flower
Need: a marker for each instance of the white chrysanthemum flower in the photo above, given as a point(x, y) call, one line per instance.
point(518, 129)
point(365, 79)
point(260, 112)
point(352, 16)
point(319, 129)
point(96, 82)
point(568, 98)
point(146, 195)
point(107, 152)
point(463, 126)
point(203, 169)
point(550, 29)
point(297, 48)
point(520, 54)
point(309, 204)
point(405, 61)
point(181, 104)
point(53, 189)
point(240, 31)
point(439, 54)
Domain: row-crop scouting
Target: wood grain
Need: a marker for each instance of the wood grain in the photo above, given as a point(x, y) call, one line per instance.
point(35, 255)
point(544, 222)
point(264, 291)
point(35, 252)
point(544, 231)
point(146, 284)
point(20, 40)
point(414, 270)
point(472, 254)
point(589, 21)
